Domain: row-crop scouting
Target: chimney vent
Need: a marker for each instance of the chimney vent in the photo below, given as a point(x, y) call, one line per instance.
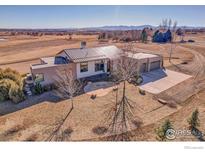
point(82, 44)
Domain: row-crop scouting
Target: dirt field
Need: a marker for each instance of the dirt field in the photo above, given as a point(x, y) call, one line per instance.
point(20, 51)
point(87, 114)
point(37, 117)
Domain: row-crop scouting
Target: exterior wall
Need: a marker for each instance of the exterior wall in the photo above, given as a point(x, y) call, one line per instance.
point(51, 73)
point(113, 64)
point(91, 70)
point(141, 62)
point(153, 60)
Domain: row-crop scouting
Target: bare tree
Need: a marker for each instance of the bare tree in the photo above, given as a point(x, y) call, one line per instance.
point(122, 116)
point(183, 33)
point(67, 88)
point(169, 23)
point(173, 40)
point(68, 85)
point(164, 24)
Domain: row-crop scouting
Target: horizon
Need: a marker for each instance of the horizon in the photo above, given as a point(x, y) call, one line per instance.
point(75, 28)
point(77, 17)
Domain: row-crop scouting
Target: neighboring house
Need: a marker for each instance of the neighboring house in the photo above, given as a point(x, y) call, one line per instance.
point(88, 63)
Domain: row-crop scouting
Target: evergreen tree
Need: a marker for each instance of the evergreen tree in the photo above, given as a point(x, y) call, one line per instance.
point(155, 36)
point(161, 131)
point(194, 119)
point(144, 36)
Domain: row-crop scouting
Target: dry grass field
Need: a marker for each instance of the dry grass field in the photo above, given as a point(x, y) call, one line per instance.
point(37, 117)
point(19, 52)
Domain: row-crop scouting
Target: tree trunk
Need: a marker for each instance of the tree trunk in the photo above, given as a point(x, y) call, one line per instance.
point(123, 95)
point(170, 54)
point(72, 106)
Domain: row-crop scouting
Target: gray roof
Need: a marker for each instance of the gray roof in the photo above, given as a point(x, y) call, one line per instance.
point(48, 62)
point(141, 55)
point(89, 54)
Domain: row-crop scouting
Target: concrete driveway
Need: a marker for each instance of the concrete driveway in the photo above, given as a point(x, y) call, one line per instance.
point(159, 80)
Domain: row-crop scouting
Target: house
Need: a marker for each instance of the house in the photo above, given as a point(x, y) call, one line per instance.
point(88, 63)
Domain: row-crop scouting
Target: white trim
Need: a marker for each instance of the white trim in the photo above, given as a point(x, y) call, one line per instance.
point(91, 70)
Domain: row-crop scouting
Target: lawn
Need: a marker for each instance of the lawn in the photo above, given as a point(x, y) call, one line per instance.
point(40, 119)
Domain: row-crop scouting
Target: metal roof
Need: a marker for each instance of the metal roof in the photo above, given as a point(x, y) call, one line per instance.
point(141, 55)
point(89, 54)
point(48, 60)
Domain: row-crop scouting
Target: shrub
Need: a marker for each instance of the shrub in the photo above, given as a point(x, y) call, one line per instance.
point(142, 92)
point(49, 87)
point(5, 85)
point(161, 131)
point(136, 80)
point(99, 130)
point(16, 93)
point(137, 123)
point(139, 79)
point(68, 131)
point(11, 85)
point(24, 75)
point(38, 89)
point(193, 121)
point(12, 75)
point(93, 96)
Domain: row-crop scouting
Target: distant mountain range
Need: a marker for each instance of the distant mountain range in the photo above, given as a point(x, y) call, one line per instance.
point(121, 27)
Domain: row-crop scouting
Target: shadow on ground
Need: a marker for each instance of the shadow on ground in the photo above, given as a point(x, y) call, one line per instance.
point(153, 76)
point(198, 134)
point(9, 107)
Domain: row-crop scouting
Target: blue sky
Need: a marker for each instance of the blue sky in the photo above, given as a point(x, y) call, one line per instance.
point(93, 16)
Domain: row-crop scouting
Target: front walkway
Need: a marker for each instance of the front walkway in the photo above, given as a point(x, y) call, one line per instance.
point(160, 80)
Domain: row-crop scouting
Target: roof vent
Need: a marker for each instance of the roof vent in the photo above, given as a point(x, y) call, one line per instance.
point(82, 44)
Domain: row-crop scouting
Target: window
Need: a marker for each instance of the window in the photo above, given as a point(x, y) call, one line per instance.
point(39, 77)
point(83, 67)
point(99, 66)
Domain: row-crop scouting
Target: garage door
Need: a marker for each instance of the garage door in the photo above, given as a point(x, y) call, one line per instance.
point(155, 65)
point(143, 68)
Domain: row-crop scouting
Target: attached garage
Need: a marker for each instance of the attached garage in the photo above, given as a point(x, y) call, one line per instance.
point(147, 62)
point(154, 65)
